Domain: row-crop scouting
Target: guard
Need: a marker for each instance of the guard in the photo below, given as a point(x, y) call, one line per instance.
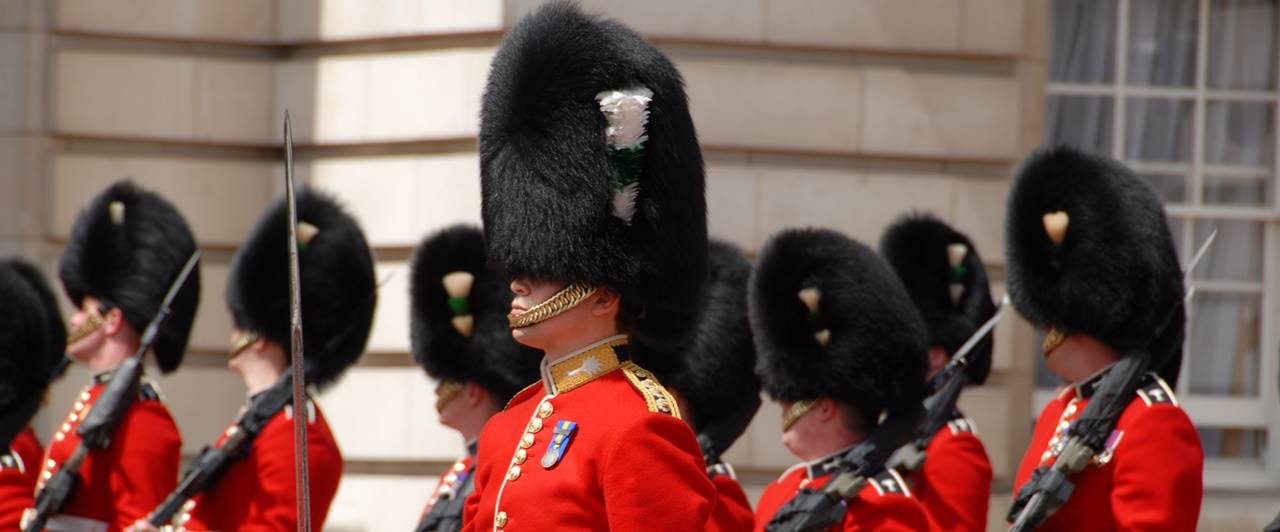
point(594, 207)
point(1093, 265)
point(840, 344)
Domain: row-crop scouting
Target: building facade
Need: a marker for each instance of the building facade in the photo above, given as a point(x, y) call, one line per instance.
point(837, 113)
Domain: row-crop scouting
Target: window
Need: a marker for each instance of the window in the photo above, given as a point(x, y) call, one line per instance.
point(1185, 92)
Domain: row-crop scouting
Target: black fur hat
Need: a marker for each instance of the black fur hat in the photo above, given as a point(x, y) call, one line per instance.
point(32, 336)
point(338, 289)
point(125, 249)
point(944, 275)
point(1115, 275)
point(874, 353)
point(486, 354)
point(554, 204)
point(719, 375)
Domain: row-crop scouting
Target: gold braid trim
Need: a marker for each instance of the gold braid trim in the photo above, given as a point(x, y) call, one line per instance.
point(567, 298)
point(797, 411)
point(448, 391)
point(655, 395)
point(92, 321)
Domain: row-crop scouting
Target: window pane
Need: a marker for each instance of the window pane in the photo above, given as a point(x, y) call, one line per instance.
point(1242, 44)
point(1083, 41)
point(1222, 355)
point(1240, 191)
point(1233, 443)
point(1082, 121)
point(1158, 130)
point(1236, 255)
point(1240, 133)
point(1171, 188)
point(1162, 43)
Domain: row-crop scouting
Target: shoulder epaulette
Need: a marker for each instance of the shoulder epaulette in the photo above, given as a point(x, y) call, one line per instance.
point(1154, 391)
point(655, 395)
point(889, 482)
point(960, 423)
point(148, 390)
point(12, 461)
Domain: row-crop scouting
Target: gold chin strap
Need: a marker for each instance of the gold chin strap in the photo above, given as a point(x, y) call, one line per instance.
point(1052, 339)
point(92, 322)
point(447, 392)
point(797, 411)
point(242, 342)
point(567, 298)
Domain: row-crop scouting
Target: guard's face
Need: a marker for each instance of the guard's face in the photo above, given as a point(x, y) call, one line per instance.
point(86, 333)
point(1079, 356)
point(800, 434)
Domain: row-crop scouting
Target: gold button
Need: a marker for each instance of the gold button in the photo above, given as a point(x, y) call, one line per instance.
point(84, 396)
point(535, 425)
point(521, 456)
point(459, 466)
point(526, 441)
point(73, 417)
point(79, 406)
point(501, 519)
point(60, 436)
point(513, 473)
point(66, 427)
point(191, 503)
point(450, 478)
point(1071, 409)
point(50, 463)
point(545, 410)
point(46, 475)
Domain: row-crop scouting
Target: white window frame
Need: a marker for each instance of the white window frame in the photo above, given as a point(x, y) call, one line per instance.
point(1261, 412)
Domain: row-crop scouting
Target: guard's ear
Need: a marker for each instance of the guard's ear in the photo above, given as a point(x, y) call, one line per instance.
point(605, 302)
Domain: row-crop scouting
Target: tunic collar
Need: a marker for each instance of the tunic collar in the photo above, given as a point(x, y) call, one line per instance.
point(584, 365)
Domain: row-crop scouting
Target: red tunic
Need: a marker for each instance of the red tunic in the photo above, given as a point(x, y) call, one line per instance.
point(257, 492)
point(629, 463)
point(884, 504)
point(733, 511)
point(30, 451)
point(1150, 477)
point(954, 485)
point(18, 474)
point(124, 482)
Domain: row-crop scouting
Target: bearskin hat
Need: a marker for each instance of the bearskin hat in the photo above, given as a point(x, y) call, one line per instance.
point(464, 336)
point(591, 171)
point(719, 376)
point(944, 275)
point(125, 249)
point(831, 319)
point(336, 279)
point(33, 339)
point(1111, 271)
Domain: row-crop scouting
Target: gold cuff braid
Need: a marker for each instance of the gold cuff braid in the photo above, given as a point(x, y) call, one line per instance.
point(567, 298)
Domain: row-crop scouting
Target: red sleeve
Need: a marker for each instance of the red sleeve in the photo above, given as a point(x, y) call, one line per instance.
point(1159, 469)
point(145, 460)
point(472, 505)
point(732, 511)
point(654, 477)
point(15, 497)
point(278, 490)
point(958, 477)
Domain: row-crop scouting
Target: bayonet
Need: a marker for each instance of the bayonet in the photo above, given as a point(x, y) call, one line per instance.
point(295, 343)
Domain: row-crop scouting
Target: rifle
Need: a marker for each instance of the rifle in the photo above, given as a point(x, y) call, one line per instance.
point(818, 510)
point(99, 425)
point(1050, 488)
point(211, 463)
point(948, 384)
